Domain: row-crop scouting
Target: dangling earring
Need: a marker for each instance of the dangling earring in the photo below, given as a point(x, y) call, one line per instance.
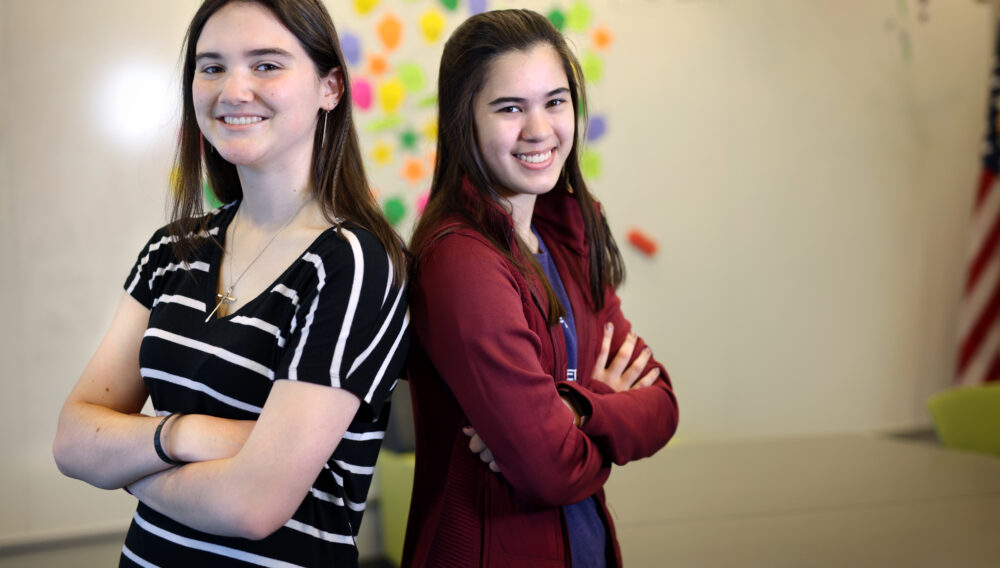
point(326, 115)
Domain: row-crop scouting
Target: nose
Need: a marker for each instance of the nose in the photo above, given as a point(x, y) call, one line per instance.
point(536, 126)
point(236, 89)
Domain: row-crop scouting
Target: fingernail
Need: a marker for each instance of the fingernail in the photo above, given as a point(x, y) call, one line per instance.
point(609, 326)
point(467, 430)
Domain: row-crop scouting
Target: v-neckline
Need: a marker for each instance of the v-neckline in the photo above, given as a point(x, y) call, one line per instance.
point(215, 268)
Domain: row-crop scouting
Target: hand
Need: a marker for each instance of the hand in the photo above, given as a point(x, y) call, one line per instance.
point(477, 446)
point(619, 375)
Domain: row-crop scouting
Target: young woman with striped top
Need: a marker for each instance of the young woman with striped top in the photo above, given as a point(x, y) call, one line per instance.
point(269, 333)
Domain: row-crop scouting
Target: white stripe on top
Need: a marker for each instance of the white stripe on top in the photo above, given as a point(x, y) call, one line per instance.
point(378, 337)
point(153, 247)
point(313, 531)
point(388, 357)
point(157, 374)
point(261, 325)
point(213, 548)
point(174, 266)
point(137, 559)
point(362, 436)
point(182, 300)
point(352, 306)
point(212, 350)
point(315, 260)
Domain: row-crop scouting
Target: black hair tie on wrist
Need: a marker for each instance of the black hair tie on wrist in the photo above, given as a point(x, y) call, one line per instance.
point(159, 447)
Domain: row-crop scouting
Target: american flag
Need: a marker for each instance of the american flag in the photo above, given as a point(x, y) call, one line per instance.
point(979, 316)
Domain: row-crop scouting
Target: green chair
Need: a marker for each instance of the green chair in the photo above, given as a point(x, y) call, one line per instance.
point(968, 418)
point(395, 482)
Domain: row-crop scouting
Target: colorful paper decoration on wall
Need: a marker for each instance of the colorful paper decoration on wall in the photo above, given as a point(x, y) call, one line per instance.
point(642, 242)
point(361, 92)
point(394, 210)
point(432, 24)
point(393, 51)
point(390, 31)
point(365, 6)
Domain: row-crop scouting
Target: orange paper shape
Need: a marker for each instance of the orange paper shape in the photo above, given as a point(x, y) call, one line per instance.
point(377, 65)
point(390, 30)
point(413, 170)
point(602, 38)
point(641, 241)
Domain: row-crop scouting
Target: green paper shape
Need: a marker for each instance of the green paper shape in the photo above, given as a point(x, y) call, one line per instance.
point(579, 15)
point(593, 67)
point(590, 164)
point(428, 101)
point(395, 210)
point(557, 18)
point(210, 198)
point(384, 123)
point(412, 77)
point(408, 139)
point(450, 4)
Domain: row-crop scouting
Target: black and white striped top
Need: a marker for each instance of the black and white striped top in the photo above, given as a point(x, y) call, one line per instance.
point(333, 317)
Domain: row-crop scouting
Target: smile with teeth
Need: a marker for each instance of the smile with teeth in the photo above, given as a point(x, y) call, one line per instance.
point(239, 120)
point(534, 158)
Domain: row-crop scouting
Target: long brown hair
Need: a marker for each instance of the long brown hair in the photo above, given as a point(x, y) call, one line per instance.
point(337, 179)
point(466, 60)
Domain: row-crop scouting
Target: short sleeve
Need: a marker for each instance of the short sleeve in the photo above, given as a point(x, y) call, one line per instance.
point(142, 278)
point(350, 330)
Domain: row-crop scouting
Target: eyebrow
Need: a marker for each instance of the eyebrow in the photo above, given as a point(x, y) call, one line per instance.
point(261, 52)
point(520, 100)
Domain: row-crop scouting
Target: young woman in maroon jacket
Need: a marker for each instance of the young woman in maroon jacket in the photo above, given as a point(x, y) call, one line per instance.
point(514, 307)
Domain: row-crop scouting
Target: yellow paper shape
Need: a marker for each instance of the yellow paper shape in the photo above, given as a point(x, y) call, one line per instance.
point(365, 6)
point(382, 153)
point(430, 130)
point(391, 94)
point(431, 24)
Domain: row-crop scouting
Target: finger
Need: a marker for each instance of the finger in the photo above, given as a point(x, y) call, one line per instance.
point(648, 380)
point(468, 431)
point(494, 467)
point(476, 444)
point(620, 362)
point(486, 455)
point(631, 375)
point(602, 356)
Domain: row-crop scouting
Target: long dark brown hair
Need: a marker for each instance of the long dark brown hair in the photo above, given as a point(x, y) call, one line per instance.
point(337, 180)
point(466, 60)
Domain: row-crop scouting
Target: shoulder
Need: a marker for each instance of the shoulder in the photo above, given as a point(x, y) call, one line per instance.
point(210, 225)
point(349, 244)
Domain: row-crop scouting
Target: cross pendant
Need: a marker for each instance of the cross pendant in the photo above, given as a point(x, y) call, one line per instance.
point(223, 298)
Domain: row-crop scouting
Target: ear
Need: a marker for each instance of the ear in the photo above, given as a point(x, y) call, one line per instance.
point(331, 89)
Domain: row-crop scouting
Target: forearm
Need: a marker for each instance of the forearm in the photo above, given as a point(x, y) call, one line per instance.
point(628, 425)
point(111, 449)
point(104, 447)
point(208, 497)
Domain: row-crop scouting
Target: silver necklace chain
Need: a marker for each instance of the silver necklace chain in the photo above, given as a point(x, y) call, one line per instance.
point(227, 296)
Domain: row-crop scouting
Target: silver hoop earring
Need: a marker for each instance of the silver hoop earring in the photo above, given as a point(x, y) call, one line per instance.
point(326, 115)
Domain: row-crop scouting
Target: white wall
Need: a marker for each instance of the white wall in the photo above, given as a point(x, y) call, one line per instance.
point(809, 187)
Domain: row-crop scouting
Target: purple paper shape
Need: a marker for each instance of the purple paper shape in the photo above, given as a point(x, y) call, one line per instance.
point(477, 6)
point(597, 128)
point(350, 44)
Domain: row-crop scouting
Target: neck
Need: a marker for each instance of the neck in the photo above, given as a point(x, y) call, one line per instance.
point(270, 198)
point(521, 208)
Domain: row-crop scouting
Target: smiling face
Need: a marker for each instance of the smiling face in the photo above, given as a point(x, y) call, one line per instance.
point(525, 121)
point(255, 91)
